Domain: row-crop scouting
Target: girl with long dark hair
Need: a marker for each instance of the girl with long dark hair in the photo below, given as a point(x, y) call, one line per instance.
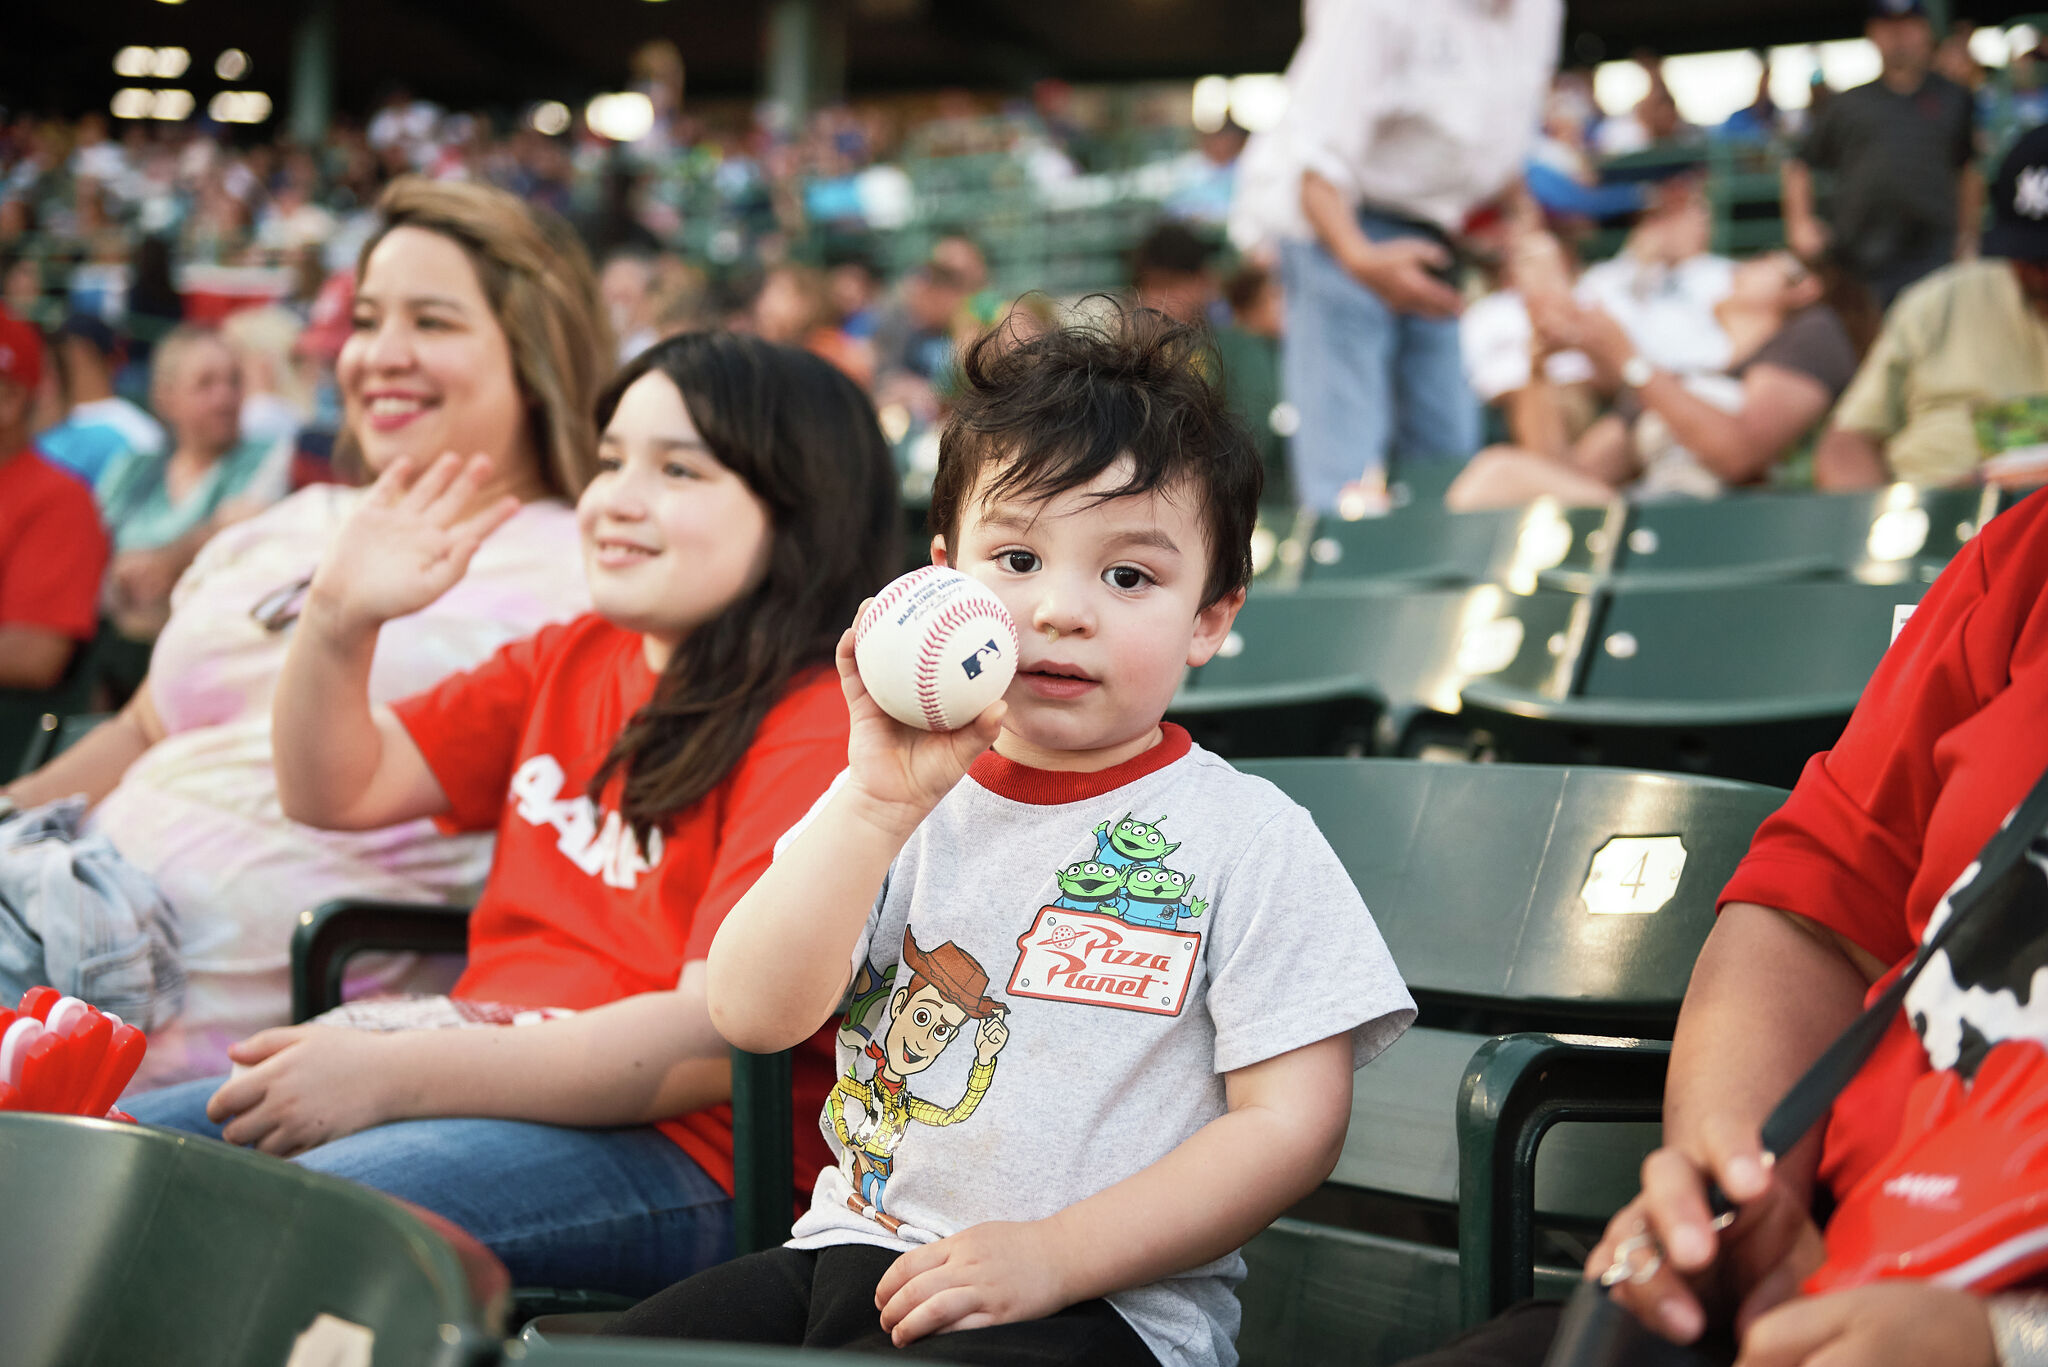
point(637, 764)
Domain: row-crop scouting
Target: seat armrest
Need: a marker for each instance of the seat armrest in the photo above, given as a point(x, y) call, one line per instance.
point(763, 1150)
point(1515, 1088)
point(331, 934)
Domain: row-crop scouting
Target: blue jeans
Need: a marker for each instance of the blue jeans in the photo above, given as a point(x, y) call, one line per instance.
point(1367, 383)
point(621, 1210)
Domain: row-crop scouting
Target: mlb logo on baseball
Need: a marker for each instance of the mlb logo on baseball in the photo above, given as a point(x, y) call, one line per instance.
point(935, 648)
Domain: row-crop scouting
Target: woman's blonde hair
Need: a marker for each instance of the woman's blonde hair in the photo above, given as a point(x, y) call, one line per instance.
point(539, 284)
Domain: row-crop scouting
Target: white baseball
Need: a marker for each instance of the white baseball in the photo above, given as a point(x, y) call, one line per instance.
point(935, 648)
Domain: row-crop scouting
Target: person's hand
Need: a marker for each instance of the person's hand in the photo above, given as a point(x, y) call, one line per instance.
point(1752, 1266)
point(1807, 237)
point(407, 542)
point(903, 771)
point(993, 1273)
point(990, 1038)
point(1398, 272)
point(1604, 342)
point(1903, 1323)
point(140, 580)
point(303, 1085)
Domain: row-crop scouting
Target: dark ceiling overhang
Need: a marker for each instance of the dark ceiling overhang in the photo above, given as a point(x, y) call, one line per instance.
point(497, 53)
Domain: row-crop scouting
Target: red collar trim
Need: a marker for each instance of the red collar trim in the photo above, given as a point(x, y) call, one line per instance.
point(1053, 787)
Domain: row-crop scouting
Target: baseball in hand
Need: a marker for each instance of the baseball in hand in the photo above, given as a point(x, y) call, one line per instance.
point(935, 648)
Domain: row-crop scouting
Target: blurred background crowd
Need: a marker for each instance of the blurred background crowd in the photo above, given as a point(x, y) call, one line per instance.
point(1738, 220)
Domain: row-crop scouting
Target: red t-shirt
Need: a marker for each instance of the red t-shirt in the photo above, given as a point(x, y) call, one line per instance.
point(1949, 736)
point(575, 913)
point(53, 549)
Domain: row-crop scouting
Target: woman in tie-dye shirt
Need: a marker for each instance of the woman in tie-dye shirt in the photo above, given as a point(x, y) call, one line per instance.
point(476, 328)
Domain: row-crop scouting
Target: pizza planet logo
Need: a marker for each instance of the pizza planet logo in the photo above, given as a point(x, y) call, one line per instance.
point(1095, 960)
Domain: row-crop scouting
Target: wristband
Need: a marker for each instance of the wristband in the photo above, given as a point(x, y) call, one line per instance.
point(2019, 1328)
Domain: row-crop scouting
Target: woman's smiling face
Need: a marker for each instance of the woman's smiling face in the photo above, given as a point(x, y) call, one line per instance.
point(427, 368)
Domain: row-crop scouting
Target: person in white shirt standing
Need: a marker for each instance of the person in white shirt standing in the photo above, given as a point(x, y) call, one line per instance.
point(1402, 119)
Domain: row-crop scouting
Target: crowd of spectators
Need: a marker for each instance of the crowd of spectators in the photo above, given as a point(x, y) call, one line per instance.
point(207, 347)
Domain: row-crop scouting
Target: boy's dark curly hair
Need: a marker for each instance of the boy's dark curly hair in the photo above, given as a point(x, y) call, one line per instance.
point(1037, 416)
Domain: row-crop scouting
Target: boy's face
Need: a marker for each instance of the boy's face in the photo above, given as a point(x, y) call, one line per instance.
point(1108, 602)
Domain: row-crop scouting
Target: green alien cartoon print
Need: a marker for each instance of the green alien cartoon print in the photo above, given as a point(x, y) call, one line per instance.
point(903, 1032)
point(1113, 936)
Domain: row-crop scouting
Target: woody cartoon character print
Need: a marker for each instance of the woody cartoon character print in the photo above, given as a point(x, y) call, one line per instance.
point(945, 999)
point(1123, 950)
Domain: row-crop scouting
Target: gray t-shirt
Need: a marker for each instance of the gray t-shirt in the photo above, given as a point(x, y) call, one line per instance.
point(1056, 976)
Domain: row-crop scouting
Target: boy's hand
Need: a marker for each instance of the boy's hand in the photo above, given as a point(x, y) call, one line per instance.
point(899, 770)
point(304, 1085)
point(994, 1273)
point(406, 544)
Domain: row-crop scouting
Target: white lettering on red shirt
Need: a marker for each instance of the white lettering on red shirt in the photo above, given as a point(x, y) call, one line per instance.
point(609, 852)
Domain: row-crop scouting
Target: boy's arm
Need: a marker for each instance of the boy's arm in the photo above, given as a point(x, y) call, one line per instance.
point(1280, 1138)
point(781, 959)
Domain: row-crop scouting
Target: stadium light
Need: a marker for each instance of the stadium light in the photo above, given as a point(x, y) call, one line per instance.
point(622, 116)
point(172, 106)
point(134, 61)
point(1211, 105)
point(171, 62)
point(1257, 102)
point(549, 117)
point(239, 106)
point(132, 103)
point(231, 65)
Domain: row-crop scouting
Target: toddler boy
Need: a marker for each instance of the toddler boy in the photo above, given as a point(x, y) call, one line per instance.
point(1100, 995)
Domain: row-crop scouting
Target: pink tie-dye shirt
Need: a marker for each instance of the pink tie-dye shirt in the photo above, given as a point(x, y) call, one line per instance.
point(199, 810)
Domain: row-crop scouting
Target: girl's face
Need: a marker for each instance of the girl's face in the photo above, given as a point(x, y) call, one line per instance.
point(671, 538)
point(426, 368)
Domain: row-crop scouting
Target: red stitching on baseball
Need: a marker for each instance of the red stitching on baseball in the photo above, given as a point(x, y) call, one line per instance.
point(890, 595)
point(954, 614)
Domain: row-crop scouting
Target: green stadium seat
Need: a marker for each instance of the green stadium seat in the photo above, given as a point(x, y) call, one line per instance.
point(54, 734)
point(1881, 535)
point(1350, 669)
point(1515, 899)
point(129, 1244)
point(1741, 680)
point(1424, 546)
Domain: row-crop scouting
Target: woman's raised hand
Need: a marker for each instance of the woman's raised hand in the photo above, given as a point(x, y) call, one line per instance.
point(407, 543)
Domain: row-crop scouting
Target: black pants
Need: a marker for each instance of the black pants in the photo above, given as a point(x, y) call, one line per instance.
point(1517, 1337)
point(826, 1299)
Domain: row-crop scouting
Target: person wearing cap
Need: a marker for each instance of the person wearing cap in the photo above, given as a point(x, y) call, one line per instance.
point(1402, 119)
point(1963, 354)
point(99, 427)
point(1907, 195)
point(52, 551)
